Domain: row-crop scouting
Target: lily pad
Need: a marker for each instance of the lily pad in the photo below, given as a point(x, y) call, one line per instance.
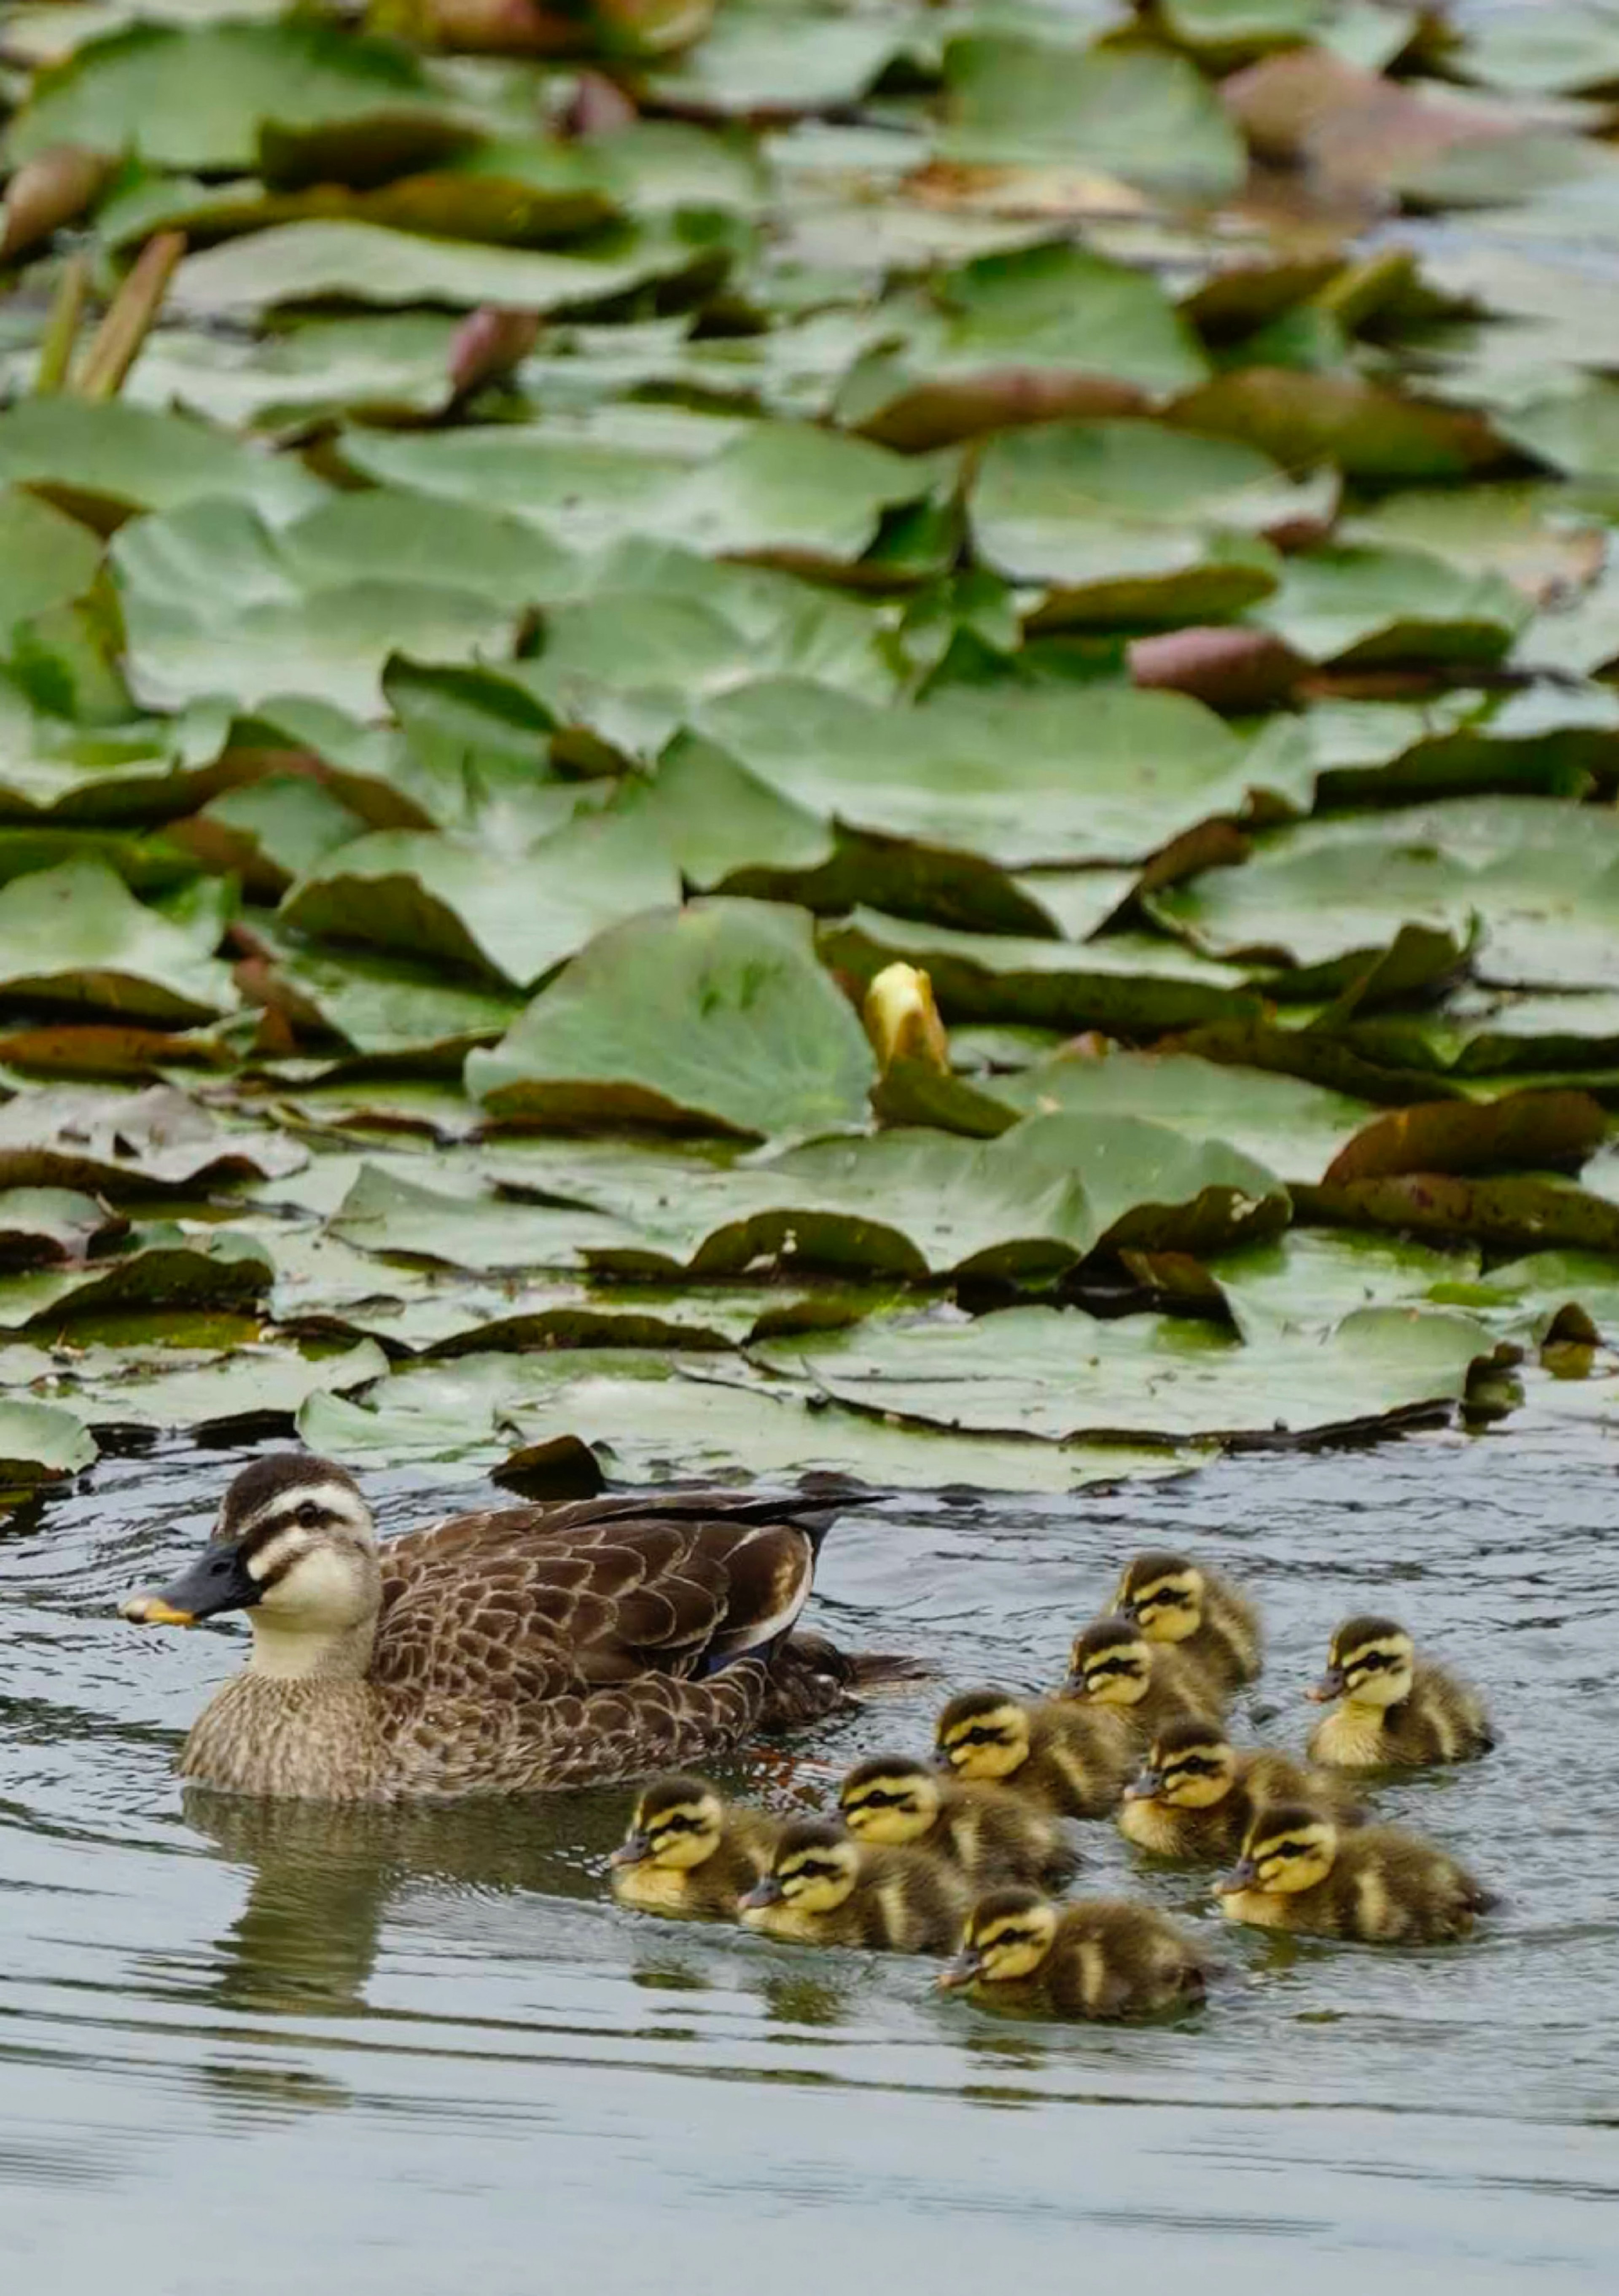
point(1062, 1374)
point(412, 893)
point(166, 1270)
point(1018, 776)
point(649, 1418)
point(319, 262)
point(46, 560)
point(39, 1225)
point(147, 1387)
point(103, 461)
point(778, 490)
point(39, 1441)
point(1137, 113)
point(75, 936)
point(1128, 521)
point(128, 1146)
point(1362, 606)
point(384, 1213)
point(1124, 984)
point(716, 1016)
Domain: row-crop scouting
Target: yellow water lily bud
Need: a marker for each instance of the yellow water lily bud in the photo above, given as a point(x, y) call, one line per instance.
point(902, 1019)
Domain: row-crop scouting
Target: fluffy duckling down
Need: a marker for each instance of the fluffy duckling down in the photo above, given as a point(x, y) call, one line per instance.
point(1097, 1957)
point(1113, 1665)
point(1381, 1885)
point(1071, 1759)
point(826, 1888)
point(1197, 1795)
point(690, 1852)
point(986, 1834)
point(1184, 1603)
point(1395, 1710)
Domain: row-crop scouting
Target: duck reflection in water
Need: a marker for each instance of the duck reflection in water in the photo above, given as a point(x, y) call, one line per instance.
point(322, 1875)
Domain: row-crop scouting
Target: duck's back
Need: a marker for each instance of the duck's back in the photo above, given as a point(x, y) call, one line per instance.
point(1389, 1887)
point(1079, 1758)
point(992, 1838)
point(1229, 1642)
point(906, 1901)
point(1443, 1720)
point(526, 1603)
point(1114, 1958)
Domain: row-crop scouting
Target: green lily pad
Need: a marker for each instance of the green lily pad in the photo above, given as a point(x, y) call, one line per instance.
point(649, 1418)
point(385, 1214)
point(214, 606)
point(412, 892)
point(1052, 327)
point(1509, 1213)
point(384, 1006)
point(273, 830)
point(39, 1225)
point(1062, 1374)
point(39, 1441)
point(105, 460)
point(779, 490)
point(1125, 984)
point(76, 937)
point(717, 1015)
point(166, 1270)
point(46, 560)
point(1136, 113)
point(193, 96)
point(1129, 521)
point(148, 1387)
point(1292, 1127)
point(317, 262)
point(376, 366)
point(1362, 606)
point(991, 770)
point(129, 1146)
point(778, 59)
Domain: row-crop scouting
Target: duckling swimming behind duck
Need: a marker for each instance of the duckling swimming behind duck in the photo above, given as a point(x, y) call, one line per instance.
point(688, 1852)
point(1200, 1614)
point(1113, 1665)
point(1198, 1793)
point(1072, 1760)
point(1381, 1885)
point(1396, 1711)
point(986, 1834)
point(1098, 1957)
point(825, 1887)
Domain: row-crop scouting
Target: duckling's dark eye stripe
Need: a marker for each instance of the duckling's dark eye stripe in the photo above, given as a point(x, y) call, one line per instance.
point(1113, 1666)
point(1195, 1766)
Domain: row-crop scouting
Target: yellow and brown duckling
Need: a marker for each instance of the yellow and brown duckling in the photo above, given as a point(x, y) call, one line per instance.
point(986, 1834)
point(690, 1852)
point(1113, 1665)
point(1395, 1710)
point(1097, 1957)
point(1197, 1795)
point(1184, 1603)
point(1381, 1885)
point(826, 1888)
point(1071, 1759)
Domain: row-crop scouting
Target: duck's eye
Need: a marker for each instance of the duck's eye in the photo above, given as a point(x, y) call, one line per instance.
point(309, 1514)
point(1290, 1848)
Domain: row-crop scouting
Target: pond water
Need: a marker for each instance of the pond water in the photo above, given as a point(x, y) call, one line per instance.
point(244, 2049)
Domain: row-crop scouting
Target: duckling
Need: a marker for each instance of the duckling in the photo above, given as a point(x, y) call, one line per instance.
point(1383, 1886)
point(825, 1887)
point(1181, 1602)
point(1098, 1957)
point(688, 1852)
point(1198, 1795)
point(1068, 1758)
point(1397, 1711)
point(1113, 1665)
point(986, 1834)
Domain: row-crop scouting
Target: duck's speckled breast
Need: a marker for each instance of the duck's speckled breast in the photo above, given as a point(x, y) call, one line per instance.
point(316, 1740)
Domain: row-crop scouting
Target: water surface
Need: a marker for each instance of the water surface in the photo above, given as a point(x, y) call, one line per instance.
point(243, 2048)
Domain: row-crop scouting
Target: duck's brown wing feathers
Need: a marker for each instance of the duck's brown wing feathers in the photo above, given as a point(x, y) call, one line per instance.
point(536, 1602)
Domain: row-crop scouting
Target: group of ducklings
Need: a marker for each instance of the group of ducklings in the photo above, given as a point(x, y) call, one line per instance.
point(963, 1853)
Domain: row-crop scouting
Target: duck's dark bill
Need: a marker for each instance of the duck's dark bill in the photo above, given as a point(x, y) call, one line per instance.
point(1148, 1787)
point(218, 1580)
point(767, 1892)
point(1241, 1877)
point(960, 1971)
point(633, 1850)
point(1330, 1686)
